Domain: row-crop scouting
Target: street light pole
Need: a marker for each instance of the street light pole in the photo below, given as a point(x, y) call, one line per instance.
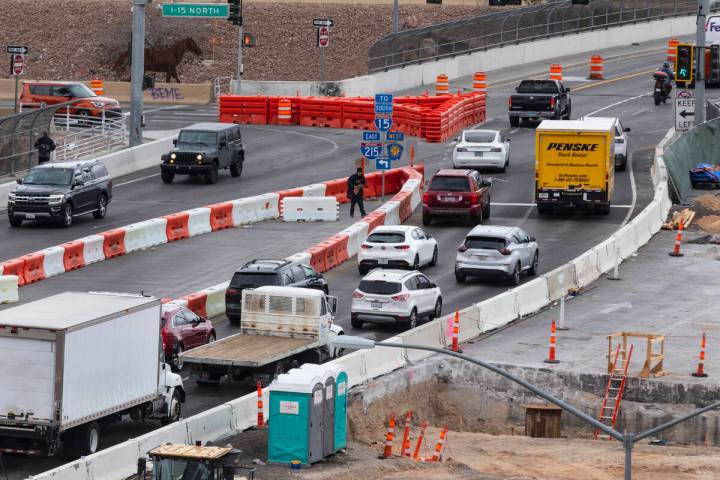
point(703, 9)
point(395, 16)
point(137, 70)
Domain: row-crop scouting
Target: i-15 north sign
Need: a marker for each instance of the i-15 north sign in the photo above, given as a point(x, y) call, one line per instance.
point(202, 10)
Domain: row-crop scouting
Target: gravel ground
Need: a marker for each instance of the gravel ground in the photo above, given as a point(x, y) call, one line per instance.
point(78, 39)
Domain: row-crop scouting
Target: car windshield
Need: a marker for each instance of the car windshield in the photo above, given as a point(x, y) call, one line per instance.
point(485, 243)
point(49, 176)
point(206, 138)
point(379, 287)
point(449, 184)
point(79, 90)
point(537, 86)
point(480, 137)
point(253, 279)
point(386, 237)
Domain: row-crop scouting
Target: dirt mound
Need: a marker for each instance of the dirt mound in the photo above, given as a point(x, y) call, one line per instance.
point(78, 39)
point(709, 202)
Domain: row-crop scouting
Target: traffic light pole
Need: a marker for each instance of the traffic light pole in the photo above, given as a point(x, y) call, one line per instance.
point(238, 72)
point(137, 71)
point(703, 9)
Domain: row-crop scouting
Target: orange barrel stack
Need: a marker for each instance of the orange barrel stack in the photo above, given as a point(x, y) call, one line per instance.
point(321, 112)
point(358, 113)
point(443, 85)
point(244, 109)
point(479, 82)
point(556, 71)
point(97, 86)
point(596, 68)
point(284, 113)
point(672, 49)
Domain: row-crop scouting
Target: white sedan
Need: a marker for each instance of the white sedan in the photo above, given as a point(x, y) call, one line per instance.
point(482, 149)
point(397, 246)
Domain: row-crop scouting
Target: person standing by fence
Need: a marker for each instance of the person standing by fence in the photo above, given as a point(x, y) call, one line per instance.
point(45, 146)
point(356, 184)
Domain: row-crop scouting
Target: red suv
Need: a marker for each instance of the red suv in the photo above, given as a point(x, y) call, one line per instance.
point(457, 193)
point(181, 330)
point(87, 104)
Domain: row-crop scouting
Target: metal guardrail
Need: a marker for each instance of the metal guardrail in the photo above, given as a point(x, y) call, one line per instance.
point(552, 19)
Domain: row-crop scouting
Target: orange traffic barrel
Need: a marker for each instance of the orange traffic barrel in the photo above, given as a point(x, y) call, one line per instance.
point(443, 85)
point(96, 86)
point(596, 67)
point(284, 113)
point(672, 49)
point(479, 82)
point(555, 71)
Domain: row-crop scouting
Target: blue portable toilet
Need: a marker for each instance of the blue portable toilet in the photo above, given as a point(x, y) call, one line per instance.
point(296, 422)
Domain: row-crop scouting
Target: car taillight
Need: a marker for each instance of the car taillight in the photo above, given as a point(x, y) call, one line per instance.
point(505, 251)
point(509, 101)
point(365, 246)
point(426, 197)
point(358, 294)
point(400, 298)
point(462, 248)
point(402, 247)
point(496, 149)
point(164, 335)
point(552, 102)
point(473, 198)
point(232, 291)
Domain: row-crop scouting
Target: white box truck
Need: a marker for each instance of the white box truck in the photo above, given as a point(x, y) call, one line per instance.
point(280, 327)
point(74, 361)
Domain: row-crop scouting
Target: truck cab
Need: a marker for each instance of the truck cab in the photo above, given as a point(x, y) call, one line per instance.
point(176, 461)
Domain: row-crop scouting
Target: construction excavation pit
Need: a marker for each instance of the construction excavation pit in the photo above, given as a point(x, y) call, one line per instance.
point(488, 421)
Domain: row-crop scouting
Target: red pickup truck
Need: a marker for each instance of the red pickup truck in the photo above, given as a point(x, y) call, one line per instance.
point(457, 193)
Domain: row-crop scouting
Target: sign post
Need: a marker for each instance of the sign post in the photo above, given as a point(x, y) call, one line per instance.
point(322, 25)
point(383, 123)
point(17, 68)
point(196, 10)
point(684, 110)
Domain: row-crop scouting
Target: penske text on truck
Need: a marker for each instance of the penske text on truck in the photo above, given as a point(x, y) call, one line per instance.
point(574, 164)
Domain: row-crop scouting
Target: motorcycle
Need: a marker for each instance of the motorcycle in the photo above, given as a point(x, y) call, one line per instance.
point(662, 87)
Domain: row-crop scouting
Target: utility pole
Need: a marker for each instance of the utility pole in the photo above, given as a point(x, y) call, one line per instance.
point(137, 70)
point(703, 9)
point(239, 70)
point(395, 16)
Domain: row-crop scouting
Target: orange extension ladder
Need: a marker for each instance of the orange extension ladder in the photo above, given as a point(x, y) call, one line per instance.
point(613, 394)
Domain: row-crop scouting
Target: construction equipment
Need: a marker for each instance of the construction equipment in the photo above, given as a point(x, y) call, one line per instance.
point(614, 392)
point(192, 461)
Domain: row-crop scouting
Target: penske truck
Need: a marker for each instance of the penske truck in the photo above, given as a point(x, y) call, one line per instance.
point(75, 362)
point(574, 164)
point(280, 328)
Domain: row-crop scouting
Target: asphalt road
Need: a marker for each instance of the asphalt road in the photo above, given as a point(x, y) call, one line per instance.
point(279, 158)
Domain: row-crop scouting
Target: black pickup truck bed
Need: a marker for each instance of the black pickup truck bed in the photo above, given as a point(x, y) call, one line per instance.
point(537, 99)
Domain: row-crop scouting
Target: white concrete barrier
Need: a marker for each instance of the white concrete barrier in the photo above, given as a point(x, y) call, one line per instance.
point(199, 221)
point(430, 334)
point(560, 280)
point(53, 263)
point(414, 186)
point(268, 206)
point(586, 268)
point(302, 257)
point(392, 212)
point(607, 255)
point(215, 303)
point(210, 425)
point(498, 310)
point(532, 296)
point(357, 233)
point(384, 359)
point(113, 463)
point(77, 470)
point(133, 159)
point(145, 234)
point(173, 433)
point(245, 210)
point(626, 241)
point(470, 326)
point(93, 249)
point(314, 190)
point(9, 288)
point(244, 412)
point(354, 365)
point(310, 209)
point(641, 223)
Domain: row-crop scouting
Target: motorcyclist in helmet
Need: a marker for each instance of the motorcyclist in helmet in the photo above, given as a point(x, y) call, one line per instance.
point(666, 68)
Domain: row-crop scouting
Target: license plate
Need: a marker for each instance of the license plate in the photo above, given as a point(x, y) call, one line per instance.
point(383, 261)
point(449, 199)
point(30, 216)
point(478, 154)
point(482, 257)
point(657, 90)
point(376, 304)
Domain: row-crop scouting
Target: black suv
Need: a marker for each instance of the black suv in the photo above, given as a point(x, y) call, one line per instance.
point(61, 191)
point(259, 273)
point(204, 148)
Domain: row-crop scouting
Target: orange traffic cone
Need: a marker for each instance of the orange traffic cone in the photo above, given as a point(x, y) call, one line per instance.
point(551, 354)
point(387, 453)
point(700, 372)
point(419, 441)
point(440, 446)
point(406, 435)
point(260, 416)
point(678, 241)
point(456, 332)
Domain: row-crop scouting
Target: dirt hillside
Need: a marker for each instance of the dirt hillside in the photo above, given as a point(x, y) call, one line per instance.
point(77, 39)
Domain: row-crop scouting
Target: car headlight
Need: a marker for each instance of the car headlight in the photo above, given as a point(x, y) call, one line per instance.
point(11, 197)
point(199, 157)
point(56, 199)
point(98, 104)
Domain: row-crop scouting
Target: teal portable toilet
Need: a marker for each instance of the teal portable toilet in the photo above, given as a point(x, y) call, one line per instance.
point(295, 430)
point(340, 424)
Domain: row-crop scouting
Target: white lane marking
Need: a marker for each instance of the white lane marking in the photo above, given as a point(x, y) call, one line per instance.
point(290, 132)
point(137, 180)
point(503, 204)
point(633, 188)
point(616, 104)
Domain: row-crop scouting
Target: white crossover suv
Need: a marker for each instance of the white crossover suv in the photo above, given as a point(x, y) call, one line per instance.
point(397, 246)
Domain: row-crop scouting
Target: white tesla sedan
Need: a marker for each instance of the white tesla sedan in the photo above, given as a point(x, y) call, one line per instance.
point(482, 149)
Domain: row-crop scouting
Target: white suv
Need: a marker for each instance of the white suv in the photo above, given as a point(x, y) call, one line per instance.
point(394, 296)
point(496, 250)
point(397, 246)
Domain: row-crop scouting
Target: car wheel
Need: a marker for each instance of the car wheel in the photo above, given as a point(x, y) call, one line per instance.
point(167, 176)
point(486, 212)
point(515, 277)
point(534, 267)
point(15, 221)
point(427, 219)
point(460, 277)
point(437, 311)
point(84, 118)
point(211, 175)
point(326, 290)
point(476, 219)
point(101, 207)
point(236, 169)
point(68, 215)
point(623, 164)
point(568, 114)
point(434, 259)
point(177, 361)
point(85, 439)
point(362, 270)
point(355, 323)
point(234, 319)
point(503, 169)
point(211, 338)
point(416, 263)
point(412, 320)
point(174, 410)
point(514, 121)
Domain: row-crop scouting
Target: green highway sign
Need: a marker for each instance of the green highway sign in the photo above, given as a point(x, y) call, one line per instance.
point(202, 10)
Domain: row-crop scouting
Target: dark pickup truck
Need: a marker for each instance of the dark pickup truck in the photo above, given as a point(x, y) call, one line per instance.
point(538, 99)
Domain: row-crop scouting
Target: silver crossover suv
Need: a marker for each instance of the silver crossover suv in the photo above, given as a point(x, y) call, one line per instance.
point(496, 250)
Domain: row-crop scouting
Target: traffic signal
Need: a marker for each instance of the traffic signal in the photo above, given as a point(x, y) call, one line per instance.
point(248, 40)
point(148, 82)
point(714, 63)
point(235, 12)
point(684, 63)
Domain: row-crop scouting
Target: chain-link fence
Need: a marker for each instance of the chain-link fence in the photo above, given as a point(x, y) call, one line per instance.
point(551, 19)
